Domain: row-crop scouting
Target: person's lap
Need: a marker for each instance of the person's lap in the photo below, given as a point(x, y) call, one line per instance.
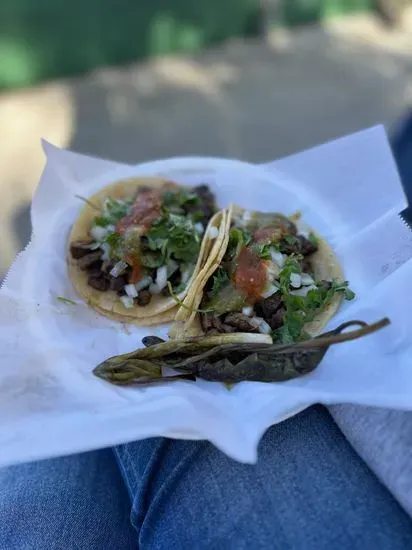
point(74, 502)
point(309, 490)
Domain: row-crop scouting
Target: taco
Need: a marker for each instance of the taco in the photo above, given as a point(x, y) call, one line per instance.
point(273, 276)
point(138, 244)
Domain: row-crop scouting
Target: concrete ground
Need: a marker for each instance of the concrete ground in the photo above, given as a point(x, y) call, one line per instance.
point(254, 101)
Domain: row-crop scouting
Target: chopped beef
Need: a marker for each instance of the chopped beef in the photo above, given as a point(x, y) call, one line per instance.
point(241, 322)
point(212, 324)
point(117, 283)
point(306, 246)
point(101, 283)
point(207, 200)
point(289, 247)
point(175, 279)
point(272, 310)
point(298, 245)
point(212, 332)
point(78, 249)
point(228, 328)
point(107, 266)
point(85, 262)
point(143, 189)
point(217, 323)
point(276, 320)
point(269, 306)
point(220, 326)
point(144, 298)
point(206, 321)
point(306, 265)
point(95, 269)
point(144, 241)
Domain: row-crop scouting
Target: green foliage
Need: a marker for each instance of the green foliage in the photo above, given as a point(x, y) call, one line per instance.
point(45, 39)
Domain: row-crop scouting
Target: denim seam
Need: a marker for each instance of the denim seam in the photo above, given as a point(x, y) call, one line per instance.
point(124, 457)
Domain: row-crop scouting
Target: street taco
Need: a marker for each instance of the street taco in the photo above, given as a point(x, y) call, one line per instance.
point(138, 244)
point(273, 276)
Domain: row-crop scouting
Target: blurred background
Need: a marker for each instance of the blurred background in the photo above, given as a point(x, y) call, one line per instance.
point(133, 81)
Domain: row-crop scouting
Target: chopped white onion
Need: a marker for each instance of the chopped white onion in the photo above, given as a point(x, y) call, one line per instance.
point(261, 325)
point(270, 290)
point(295, 280)
point(154, 289)
point(213, 232)
point(143, 283)
point(118, 268)
point(277, 257)
point(98, 233)
point(131, 291)
point(106, 251)
point(161, 277)
point(199, 228)
point(306, 279)
point(127, 301)
point(247, 310)
point(111, 228)
point(303, 291)
point(187, 273)
point(264, 327)
point(272, 271)
point(172, 266)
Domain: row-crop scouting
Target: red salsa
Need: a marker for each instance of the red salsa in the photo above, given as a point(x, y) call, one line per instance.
point(250, 274)
point(145, 209)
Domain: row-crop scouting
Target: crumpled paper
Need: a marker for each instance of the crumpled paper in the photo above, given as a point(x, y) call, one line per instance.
point(51, 404)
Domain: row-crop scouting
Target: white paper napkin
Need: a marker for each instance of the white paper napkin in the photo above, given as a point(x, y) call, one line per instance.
point(51, 404)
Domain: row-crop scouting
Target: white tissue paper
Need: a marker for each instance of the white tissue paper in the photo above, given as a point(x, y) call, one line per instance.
point(50, 402)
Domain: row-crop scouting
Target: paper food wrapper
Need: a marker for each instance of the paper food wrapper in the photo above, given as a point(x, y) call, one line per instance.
point(51, 403)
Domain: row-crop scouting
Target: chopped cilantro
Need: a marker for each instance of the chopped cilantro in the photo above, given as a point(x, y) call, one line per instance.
point(151, 258)
point(220, 279)
point(175, 237)
point(101, 221)
point(289, 244)
point(179, 288)
point(179, 198)
point(198, 216)
point(116, 209)
point(283, 335)
point(263, 251)
point(237, 239)
point(303, 309)
point(112, 239)
point(291, 240)
point(313, 239)
point(291, 266)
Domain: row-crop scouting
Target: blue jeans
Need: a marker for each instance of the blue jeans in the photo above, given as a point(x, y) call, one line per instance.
point(309, 491)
